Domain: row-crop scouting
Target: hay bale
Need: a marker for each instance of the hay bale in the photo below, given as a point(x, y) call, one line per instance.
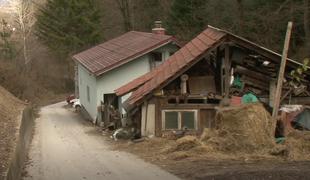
point(243, 129)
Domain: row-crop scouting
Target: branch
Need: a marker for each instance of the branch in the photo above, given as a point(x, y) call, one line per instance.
point(282, 6)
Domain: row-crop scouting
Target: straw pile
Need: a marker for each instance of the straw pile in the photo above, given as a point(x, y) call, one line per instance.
point(241, 129)
point(246, 131)
point(297, 145)
point(184, 144)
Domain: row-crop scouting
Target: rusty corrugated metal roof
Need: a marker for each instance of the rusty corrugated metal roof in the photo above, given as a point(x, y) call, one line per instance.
point(186, 55)
point(135, 83)
point(120, 50)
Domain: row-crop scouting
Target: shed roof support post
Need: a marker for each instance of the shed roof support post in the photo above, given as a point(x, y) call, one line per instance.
point(227, 64)
point(218, 78)
point(272, 91)
point(282, 70)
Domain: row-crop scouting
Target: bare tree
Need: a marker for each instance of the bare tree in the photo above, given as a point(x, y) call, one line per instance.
point(307, 23)
point(124, 7)
point(7, 50)
point(24, 17)
point(240, 15)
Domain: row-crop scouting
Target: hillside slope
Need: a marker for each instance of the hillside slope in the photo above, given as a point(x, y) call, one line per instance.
point(10, 110)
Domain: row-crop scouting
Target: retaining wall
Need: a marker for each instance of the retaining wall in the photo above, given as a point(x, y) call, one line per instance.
point(22, 145)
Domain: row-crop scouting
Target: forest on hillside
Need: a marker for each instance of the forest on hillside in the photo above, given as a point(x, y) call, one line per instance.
point(39, 37)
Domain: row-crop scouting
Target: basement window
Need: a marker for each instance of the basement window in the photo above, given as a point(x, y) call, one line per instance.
point(179, 119)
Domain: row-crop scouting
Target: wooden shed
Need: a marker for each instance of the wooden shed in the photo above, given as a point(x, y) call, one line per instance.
point(185, 91)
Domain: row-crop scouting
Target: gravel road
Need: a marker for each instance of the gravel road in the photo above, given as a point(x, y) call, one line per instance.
point(65, 147)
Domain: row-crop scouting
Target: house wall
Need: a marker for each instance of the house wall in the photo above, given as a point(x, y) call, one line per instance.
point(114, 79)
point(118, 77)
point(166, 50)
point(87, 79)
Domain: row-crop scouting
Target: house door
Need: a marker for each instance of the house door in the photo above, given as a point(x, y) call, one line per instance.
point(110, 102)
point(111, 99)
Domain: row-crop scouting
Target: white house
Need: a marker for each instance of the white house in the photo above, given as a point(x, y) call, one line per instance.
point(112, 64)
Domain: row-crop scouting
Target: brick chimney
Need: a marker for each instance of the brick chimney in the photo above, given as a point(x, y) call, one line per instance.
point(158, 29)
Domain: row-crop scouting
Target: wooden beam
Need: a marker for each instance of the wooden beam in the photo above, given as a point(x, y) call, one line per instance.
point(252, 74)
point(300, 100)
point(227, 63)
point(218, 70)
point(272, 91)
point(273, 58)
point(254, 82)
point(286, 94)
point(259, 50)
point(222, 77)
point(281, 71)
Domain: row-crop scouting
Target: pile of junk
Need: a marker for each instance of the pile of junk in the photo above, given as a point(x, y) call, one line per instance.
point(293, 117)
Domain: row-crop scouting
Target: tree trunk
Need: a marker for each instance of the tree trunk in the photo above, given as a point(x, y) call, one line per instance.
point(307, 25)
point(240, 15)
point(124, 7)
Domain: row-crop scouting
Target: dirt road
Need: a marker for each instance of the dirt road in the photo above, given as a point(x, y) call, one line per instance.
point(65, 147)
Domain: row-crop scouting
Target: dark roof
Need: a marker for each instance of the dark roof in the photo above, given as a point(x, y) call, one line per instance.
point(187, 55)
point(120, 50)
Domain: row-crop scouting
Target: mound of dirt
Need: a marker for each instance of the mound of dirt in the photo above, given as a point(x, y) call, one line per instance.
point(247, 129)
point(10, 110)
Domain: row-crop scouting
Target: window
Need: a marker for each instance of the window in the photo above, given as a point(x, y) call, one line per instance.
point(179, 119)
point(171, 120)
point(157, 56)
point(188, 119)
point(156, 59)
point(88, 94)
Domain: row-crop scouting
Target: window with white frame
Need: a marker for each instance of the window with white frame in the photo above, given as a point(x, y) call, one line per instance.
point(179, 119)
